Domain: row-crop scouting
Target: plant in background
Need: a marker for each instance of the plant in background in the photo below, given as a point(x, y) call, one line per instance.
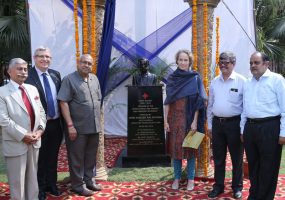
point(14, 35)
point(270, 28)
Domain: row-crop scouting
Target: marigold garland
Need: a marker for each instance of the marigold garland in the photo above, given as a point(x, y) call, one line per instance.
point(194, 35)
point(217, 71)
point(93, 35)
point(85, 27)
point(205, 80)
point(205, 46)
point(75, 15)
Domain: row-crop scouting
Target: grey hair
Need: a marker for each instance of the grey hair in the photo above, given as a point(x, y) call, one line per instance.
point(41, 48)
point(16, 61)
point(228, 55)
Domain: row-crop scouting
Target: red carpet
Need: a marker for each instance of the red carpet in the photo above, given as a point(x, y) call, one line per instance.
point(140, 190)
point(151, 191)
point(113, 148)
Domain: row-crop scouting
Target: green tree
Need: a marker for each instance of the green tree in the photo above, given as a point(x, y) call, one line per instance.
point(14, 35)
point(270, 29)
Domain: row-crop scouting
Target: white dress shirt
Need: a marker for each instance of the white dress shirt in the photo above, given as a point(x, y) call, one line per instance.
point(264, 98)
point(225, 97)
point(53, 90)
point(17, 89)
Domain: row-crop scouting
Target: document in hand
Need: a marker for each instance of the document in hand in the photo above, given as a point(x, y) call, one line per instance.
point(193, 140)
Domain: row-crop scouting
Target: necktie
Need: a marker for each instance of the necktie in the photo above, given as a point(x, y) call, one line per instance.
point(49, 98)
point(28, 106)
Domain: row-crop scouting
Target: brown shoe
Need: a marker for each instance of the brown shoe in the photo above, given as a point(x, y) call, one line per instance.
point(94, 187)
point(84, 192)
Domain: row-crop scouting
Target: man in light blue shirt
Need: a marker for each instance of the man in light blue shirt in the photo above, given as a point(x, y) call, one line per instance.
point(263, 126)
point(223, 115)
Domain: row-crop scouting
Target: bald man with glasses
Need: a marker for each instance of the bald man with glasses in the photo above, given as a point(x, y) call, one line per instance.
point(80, 101)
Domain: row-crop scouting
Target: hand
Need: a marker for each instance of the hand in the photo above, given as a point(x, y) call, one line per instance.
point(210, 133)
point(37, 135)
point(281, 140)
point(166, 127)
point(28, 138)
point(194, 126)
point(241, 138)
point(72, 133)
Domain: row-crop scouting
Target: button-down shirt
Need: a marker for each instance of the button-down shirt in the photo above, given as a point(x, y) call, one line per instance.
point(225, 97)
point(264, 98)
point(53, 90)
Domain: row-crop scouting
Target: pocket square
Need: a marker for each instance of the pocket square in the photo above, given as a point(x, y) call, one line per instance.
point(36, 97)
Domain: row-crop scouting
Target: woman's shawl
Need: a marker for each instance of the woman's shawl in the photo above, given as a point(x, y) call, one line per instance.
point(187, 84)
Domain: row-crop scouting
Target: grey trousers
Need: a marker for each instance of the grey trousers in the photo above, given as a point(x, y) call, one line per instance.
point(82, 159)
point(22, 175)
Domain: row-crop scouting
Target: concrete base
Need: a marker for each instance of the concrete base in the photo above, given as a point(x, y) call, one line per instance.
point(146, 161)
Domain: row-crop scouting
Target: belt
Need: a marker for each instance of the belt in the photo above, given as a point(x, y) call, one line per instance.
point(53, 119)
point(227, 119)
point(261, 120)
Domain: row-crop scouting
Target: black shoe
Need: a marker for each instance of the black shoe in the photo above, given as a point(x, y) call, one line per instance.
point(94, 187)
point(42, 195)
point(237, 194)
point(53, 190)
point(214, 193)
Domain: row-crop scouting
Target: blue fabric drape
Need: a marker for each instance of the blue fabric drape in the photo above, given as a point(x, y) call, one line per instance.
point(106, 44)
point(149, 47)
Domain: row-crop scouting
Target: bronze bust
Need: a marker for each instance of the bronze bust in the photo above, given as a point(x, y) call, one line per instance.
point(144, 77)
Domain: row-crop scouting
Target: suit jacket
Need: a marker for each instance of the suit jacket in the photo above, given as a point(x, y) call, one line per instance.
point(15, 120)
point(34, 80)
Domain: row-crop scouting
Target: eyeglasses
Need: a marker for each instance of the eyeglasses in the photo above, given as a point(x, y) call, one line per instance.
point(43, 56)
point(86, 63)
point(255, 62)
point(224, 62)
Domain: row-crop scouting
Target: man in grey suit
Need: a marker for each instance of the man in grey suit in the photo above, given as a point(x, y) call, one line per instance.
point(23, 121)
point(80, 100)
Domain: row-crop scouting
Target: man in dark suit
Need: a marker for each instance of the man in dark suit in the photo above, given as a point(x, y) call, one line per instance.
point(48, 82)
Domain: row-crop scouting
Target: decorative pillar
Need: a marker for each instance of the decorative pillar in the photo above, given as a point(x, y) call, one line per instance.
point(101, 169)
point(204, 169)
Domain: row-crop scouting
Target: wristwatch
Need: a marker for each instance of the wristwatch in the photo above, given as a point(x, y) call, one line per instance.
point(40, 127)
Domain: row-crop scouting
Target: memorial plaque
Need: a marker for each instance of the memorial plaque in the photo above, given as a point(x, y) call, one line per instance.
point(146, 139)
point(145, 121)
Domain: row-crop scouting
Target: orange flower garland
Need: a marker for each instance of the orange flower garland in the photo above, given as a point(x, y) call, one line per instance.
point(93, 34)
point(194, 35)
point(217, 71)
point(206, 80)
point(205, 46)
point(85, 27)
point(75, 14)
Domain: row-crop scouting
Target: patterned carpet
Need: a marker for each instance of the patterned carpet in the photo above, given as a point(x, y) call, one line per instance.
point(113, 148)
point(151, 191)
point(142, 190)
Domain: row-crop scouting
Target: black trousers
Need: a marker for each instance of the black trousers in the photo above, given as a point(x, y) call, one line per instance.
point(226, 135)
point(263, 154)
point(47, 164)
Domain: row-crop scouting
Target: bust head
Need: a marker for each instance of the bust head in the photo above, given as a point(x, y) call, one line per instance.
point(143, 65)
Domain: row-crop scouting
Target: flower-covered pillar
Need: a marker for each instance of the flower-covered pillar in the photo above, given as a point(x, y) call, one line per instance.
point(94, 40)
point(198, 39)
